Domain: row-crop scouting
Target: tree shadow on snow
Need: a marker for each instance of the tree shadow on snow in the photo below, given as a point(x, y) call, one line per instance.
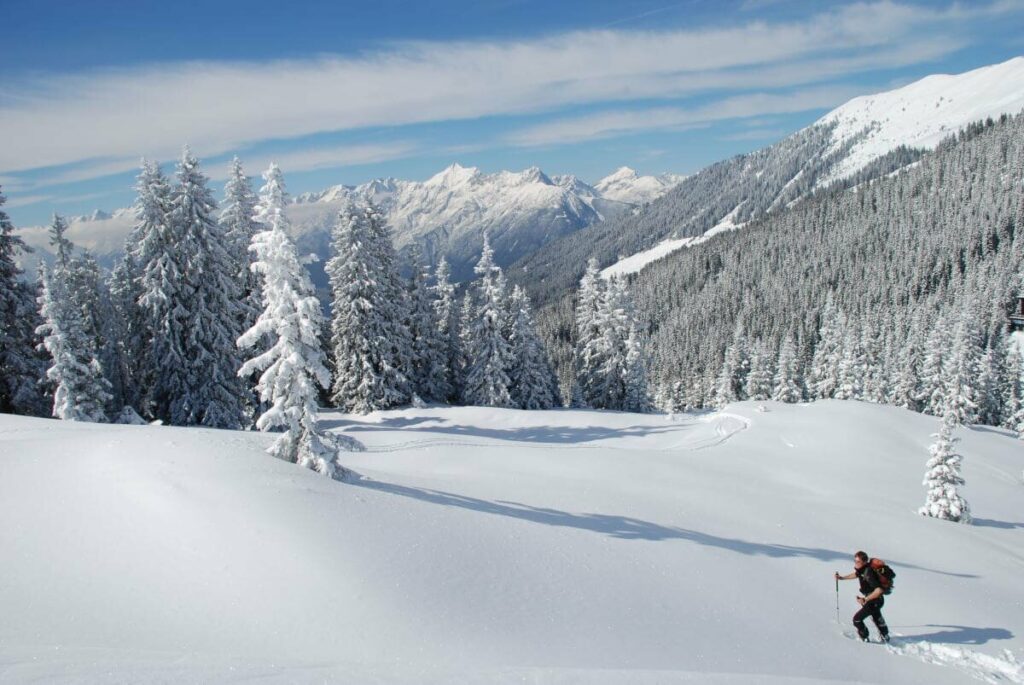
point(621, 527)
point(992, 523)
point(538, 434)
point(959, 635)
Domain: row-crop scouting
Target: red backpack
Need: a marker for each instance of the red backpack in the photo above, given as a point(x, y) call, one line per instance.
point(884, 573)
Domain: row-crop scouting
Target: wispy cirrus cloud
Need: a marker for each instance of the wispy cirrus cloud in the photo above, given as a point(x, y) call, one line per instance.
point(219, 107)
point(607, 124)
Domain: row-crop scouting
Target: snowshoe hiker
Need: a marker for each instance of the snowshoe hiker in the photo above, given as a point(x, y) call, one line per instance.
point(871, 598)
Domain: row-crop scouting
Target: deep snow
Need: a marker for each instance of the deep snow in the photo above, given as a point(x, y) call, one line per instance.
point(495, 546)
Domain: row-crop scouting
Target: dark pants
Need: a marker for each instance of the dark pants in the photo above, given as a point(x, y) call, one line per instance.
point(874, 610)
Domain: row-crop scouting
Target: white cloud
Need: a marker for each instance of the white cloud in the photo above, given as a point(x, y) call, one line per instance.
point(219, 107)
point(321, 158)
point(613, 123)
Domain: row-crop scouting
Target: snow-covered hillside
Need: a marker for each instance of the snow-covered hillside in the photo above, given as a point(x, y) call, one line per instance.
point(499, 546)
point(923, 113)
point(918, 115)
point(447, 214)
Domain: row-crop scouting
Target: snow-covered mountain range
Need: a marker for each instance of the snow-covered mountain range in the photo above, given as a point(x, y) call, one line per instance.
point(867, 137)
point(447, 214)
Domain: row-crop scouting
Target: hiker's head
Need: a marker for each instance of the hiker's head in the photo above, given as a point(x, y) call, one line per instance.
point(860, 558)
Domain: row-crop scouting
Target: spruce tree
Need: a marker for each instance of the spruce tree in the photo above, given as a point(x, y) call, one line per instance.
point(157, 330)
point(787, 386)
point(534, 385)
point(367, 373)
point(429, 364)
point(213, 396)
point(20, 368)
point(80, 389)
point(943, 476)
point(238, 219)
point(292, 366)
point(446, 313)
point(586, 360)
point(637, 398)
point(489, 355)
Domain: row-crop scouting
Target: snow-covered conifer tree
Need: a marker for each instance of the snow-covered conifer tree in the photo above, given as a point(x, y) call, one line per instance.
point(732, 376)
point(80, 389)
point(943, 476)
point(933, 376)
point(20, 369)
point(446, 313)
point(824, 374)
point(292, 367)
point(467, 312)
point(489, 355)
point(850, 374)
point(429, 365)
point(213, 395)
point(637, 397)
point(787, 384)
point(962, 370)
point(367, 373)
point(534, 385)
point(759, 380)
point(134, 322)
point(588, 331)
point(239, 222)
point(907, 391)
point(157, 334)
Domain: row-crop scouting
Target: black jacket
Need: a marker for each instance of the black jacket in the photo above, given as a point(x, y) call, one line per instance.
point(868, 579)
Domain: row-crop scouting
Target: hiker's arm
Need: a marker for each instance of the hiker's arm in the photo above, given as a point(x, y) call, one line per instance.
point(874, 594)
point(848, 576)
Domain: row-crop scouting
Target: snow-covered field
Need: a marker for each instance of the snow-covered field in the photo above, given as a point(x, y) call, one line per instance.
point(499, 546)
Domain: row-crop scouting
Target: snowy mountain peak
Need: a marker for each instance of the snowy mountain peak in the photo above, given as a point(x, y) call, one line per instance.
point(454, 175)
point(626, 185)
point(621, 174)
point(924, 112)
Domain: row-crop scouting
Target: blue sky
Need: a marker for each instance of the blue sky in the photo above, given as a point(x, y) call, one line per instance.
point(339, 92)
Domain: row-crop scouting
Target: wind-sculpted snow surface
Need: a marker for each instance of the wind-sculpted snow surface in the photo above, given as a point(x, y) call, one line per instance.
point(483, 545)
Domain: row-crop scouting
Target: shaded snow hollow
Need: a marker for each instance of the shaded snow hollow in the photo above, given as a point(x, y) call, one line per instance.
point(500, 546)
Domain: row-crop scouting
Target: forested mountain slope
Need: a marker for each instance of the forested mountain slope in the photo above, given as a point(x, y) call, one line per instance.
point(911, 264)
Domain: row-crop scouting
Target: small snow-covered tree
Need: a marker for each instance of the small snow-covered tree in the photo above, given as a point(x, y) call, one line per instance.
point(943, 476)
point(489, 355)
point(787, 385)
point(292, 368)
point(80, 389)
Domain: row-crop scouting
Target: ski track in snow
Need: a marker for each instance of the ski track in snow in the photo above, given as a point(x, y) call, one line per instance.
point(984, 667)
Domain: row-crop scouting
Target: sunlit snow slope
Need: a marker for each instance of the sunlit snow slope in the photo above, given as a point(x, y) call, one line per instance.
point(500, 546)
point(923, 113)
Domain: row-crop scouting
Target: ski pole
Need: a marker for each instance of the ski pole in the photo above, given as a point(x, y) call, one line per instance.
point(837, 598)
